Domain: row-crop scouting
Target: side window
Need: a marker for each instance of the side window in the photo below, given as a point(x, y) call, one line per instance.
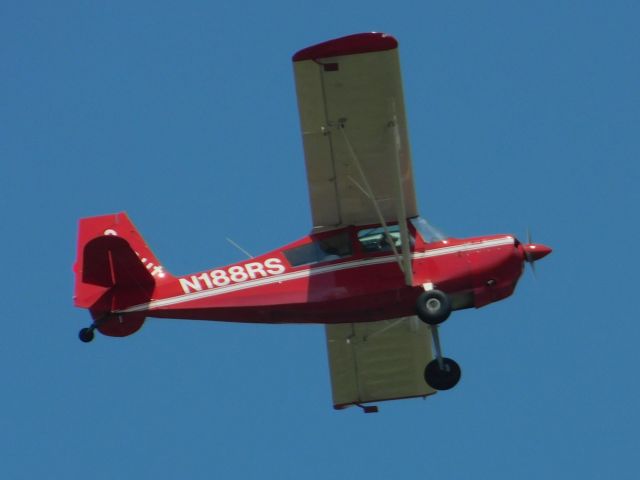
point(319, 250)
point(374, 239)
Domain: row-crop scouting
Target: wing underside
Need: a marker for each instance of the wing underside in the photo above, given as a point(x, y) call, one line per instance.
point(375, 361)
point(354, 131)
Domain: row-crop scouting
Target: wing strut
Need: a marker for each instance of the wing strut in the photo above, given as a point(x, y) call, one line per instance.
point(402, 211)
point(366, 189)
point(404, 261)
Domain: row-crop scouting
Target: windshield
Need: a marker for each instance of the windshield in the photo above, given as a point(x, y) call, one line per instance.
point(428, 232)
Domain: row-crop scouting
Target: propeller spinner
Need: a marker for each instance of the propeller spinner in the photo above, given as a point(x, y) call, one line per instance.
point(535, 251)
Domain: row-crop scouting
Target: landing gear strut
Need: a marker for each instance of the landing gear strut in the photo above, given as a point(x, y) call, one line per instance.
point(434, 307)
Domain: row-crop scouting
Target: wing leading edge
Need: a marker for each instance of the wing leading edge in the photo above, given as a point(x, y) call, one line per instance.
point(354, 131)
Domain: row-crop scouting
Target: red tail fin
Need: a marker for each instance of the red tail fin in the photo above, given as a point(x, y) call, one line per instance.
point(114, 269)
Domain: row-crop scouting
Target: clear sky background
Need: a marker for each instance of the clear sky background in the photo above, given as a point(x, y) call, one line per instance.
point(521, 115)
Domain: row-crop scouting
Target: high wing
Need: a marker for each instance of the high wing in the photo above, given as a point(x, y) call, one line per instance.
point(354, 131)
point(373, 361)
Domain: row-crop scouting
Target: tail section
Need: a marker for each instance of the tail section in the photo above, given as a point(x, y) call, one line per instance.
point(114, 269)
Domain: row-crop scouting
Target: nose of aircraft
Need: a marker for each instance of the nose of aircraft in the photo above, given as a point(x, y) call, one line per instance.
point(535, 251)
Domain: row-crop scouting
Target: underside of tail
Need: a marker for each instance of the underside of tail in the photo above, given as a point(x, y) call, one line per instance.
point(114, 270)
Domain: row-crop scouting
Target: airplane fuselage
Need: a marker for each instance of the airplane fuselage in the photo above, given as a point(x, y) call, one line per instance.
point(361, 285)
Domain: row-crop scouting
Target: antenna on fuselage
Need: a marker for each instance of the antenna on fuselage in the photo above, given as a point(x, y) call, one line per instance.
point(239, 247)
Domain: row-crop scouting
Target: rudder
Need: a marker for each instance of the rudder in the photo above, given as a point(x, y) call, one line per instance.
point(114, 269)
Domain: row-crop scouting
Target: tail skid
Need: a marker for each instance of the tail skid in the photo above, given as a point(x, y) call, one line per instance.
point(114, 269)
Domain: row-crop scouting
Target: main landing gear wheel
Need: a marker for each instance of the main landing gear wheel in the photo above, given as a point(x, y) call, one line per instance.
point(443, 378)
point(86, 334)
point(433, 307)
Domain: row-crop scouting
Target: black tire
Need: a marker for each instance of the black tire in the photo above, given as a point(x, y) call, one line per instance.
point(444, 379)
point(86, 335)
point(433, 307)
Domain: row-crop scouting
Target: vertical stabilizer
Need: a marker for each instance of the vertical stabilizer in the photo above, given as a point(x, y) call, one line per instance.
point(114, 269)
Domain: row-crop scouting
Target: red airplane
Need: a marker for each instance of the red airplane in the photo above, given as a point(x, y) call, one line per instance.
point(372, 270)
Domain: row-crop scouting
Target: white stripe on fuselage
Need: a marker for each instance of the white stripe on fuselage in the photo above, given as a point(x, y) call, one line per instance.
point(285, 277)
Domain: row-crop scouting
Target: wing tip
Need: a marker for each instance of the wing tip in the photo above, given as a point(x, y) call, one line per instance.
point(348, 45)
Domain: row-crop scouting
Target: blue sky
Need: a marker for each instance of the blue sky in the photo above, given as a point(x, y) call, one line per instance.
point(521, 115)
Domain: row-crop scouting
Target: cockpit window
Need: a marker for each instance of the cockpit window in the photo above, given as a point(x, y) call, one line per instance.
point(375, 240)
point(319, 250)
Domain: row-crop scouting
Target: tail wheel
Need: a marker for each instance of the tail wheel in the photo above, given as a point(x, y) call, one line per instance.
point(442, 376)
point(86, 335)
point(433, 307)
